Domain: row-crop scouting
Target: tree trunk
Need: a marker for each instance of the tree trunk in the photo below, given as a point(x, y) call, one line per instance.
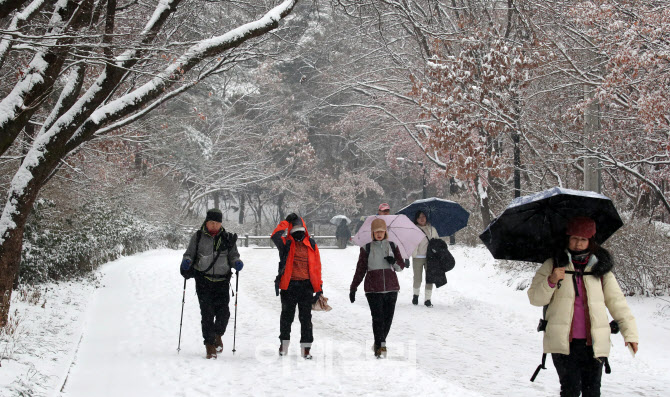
point(482, 195)
point(240, 218)
point(10, 252)
point(517, 164)
point(280, 207)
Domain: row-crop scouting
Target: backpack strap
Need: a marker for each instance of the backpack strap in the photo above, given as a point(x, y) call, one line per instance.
point(367, 246)
point(608, 369)
point(539, 367)
point(312, 242)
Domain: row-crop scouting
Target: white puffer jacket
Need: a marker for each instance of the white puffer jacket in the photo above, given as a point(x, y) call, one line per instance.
point(601, 296)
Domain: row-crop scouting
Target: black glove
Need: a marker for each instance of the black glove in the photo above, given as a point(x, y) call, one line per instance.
point(390, 259)
point(291, 218)
point(277, 281)
point(232, 239)
point(352, 295)
point(316, 297)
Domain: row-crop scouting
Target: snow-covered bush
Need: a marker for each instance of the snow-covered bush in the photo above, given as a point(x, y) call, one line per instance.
point(641, 253)
point(59, 246)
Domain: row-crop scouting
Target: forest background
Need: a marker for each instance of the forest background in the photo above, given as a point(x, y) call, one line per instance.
point(122, 121)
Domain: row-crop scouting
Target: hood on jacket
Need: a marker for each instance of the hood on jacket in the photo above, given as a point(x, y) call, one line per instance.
point(301, 222)
point(604, 265)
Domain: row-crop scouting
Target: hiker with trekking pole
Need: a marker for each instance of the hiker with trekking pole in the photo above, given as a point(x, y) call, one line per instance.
point(209, 259)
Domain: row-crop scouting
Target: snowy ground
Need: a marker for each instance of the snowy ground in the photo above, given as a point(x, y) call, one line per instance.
point(478, 340)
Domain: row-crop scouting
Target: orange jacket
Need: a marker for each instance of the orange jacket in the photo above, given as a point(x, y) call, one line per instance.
point(314, 259)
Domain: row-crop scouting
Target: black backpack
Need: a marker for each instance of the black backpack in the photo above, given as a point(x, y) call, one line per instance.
point(438, 262)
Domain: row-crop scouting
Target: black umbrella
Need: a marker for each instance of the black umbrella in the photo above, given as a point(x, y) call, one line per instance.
point(532, 227)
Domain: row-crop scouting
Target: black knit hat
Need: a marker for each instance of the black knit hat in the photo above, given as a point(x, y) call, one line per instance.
point(215, 215)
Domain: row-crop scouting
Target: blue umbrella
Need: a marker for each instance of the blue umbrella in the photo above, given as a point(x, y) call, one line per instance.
point(446, 216)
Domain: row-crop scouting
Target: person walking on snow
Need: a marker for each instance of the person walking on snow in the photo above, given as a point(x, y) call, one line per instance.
point(419, 258)
point(299, 277)
point(378, 262)
point(578, 288)
point(210, 257)
point(343, 234)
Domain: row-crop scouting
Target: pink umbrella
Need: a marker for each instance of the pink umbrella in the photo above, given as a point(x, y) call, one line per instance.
point(403, 232)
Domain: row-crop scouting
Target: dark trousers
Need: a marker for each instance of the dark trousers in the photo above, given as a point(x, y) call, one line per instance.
point(579, 371)
point(299, 293)
point(382, 307)
point(213, 297)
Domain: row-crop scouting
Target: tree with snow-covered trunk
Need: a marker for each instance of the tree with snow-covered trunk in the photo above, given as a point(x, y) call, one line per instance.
point(110, 83)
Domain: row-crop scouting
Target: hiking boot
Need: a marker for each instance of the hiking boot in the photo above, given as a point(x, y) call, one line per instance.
point(305, 353)
point(380, 352)
point(427, 303)
point(283, 348)
point(415, 300)
point(211, 351)
point(218, 343)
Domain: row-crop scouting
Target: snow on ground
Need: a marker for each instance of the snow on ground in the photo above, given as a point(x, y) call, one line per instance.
point(478, 340)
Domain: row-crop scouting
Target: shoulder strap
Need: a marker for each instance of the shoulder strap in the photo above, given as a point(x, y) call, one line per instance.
point(312, 242)
point(367, 248)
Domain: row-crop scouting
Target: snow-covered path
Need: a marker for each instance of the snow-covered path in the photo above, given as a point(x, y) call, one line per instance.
point(478, 340)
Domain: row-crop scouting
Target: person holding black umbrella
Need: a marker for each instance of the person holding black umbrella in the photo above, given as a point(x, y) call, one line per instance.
point(578, 288)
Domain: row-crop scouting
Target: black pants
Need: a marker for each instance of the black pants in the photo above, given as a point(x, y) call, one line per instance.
point(579, 371)
point(299, 293)
point(213, 297)
point(382, 307)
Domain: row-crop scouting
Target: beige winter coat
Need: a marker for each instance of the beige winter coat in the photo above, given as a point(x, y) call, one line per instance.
point(430, 232)
point(600, 297)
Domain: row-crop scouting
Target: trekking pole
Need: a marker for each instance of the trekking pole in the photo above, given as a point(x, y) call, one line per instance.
point(237, 284)
point(183, 300)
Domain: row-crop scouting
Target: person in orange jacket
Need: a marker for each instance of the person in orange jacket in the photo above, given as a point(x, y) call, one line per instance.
point(299, 277)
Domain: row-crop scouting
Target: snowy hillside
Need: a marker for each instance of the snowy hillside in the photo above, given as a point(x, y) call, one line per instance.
point(478, 340)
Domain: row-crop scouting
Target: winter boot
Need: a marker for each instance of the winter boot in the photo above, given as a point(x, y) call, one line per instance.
point(211, 351)
point(305, 353)
point(380, 352)
point(283, 348)
point(415, 300)
point(377, 350)
point(218, 343)
point(427, 303)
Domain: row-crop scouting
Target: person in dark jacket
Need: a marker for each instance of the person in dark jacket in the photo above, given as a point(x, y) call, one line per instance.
point(377, 263)
point(299, 277)
point(343, 234)
point(211, 255)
